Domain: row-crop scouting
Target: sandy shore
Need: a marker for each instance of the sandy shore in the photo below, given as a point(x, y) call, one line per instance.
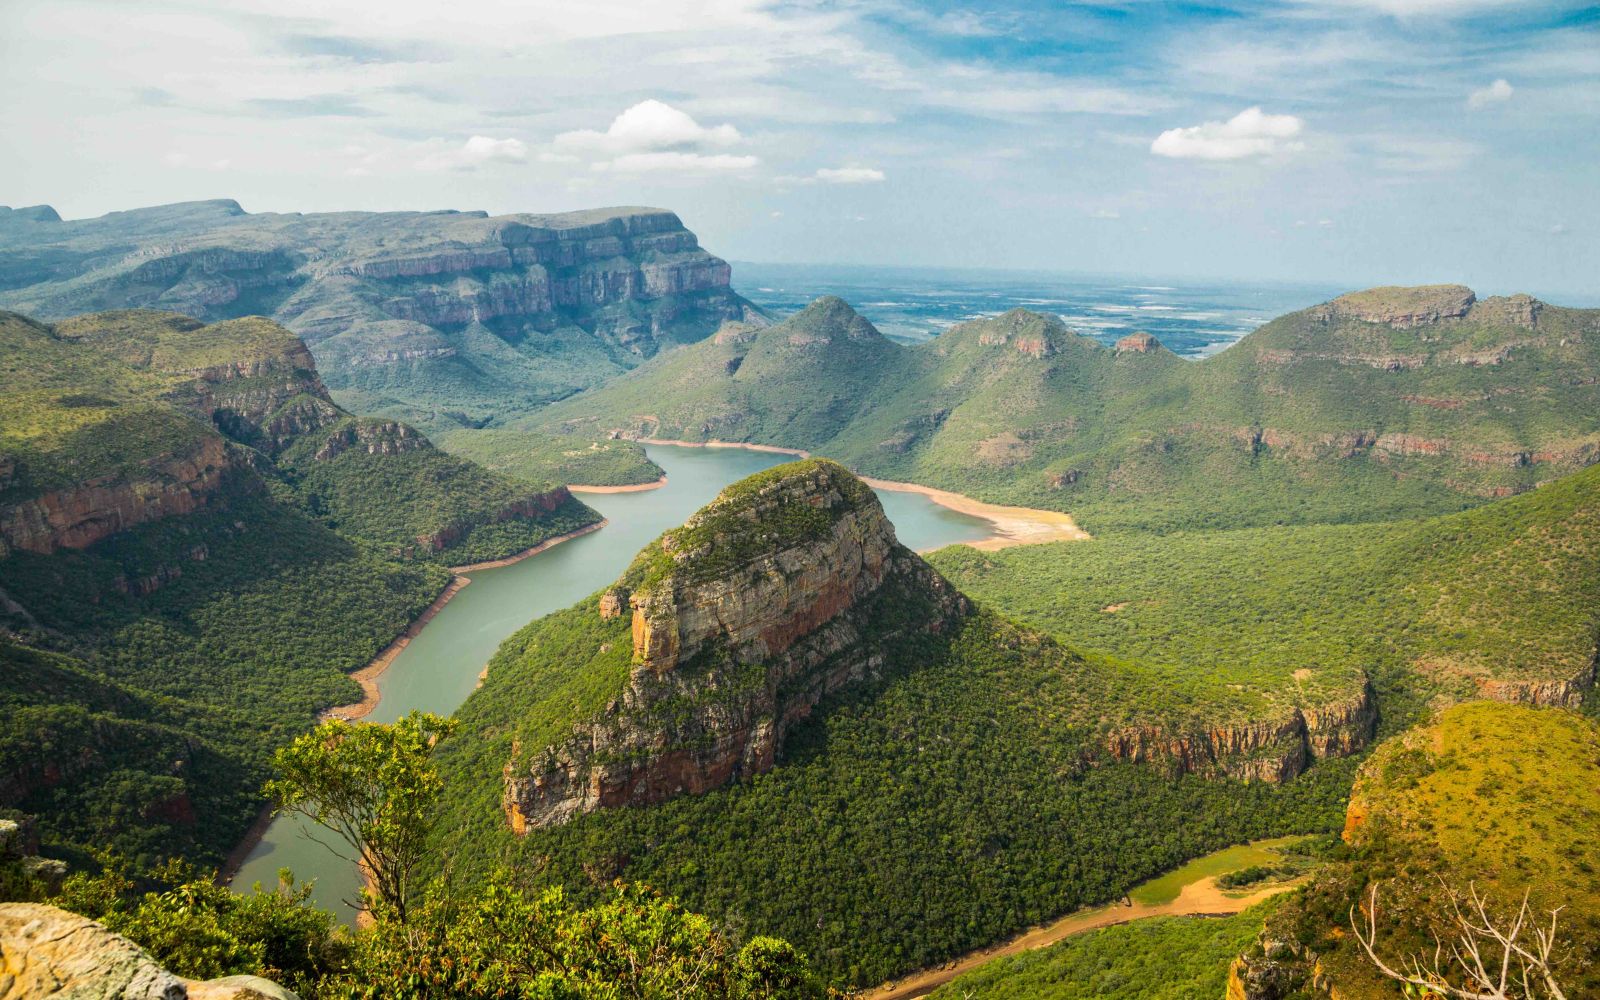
point(241, 851)
point(635, 488)
point(1202, 898)
point(368, 676)
point(774, 449)
point(1012, 525)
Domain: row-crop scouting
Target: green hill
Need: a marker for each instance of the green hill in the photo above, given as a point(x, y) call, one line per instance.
point(197, 546)
point(1379, 404)
point(1500, 601)
point(1496, 798)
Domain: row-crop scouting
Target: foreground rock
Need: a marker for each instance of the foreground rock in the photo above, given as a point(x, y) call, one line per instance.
point(48, 952)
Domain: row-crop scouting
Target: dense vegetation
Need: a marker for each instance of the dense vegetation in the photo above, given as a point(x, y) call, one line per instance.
point(404, 503)
point(1324, 415)
point(541, 458)
point(1497, 798)
point(1236, 623)
point(192, 645)
point(1159, 958)
point(910, 820)
point(230, 657)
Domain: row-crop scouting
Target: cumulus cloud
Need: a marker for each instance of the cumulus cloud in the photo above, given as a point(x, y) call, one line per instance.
point(476, 152)
point(1251, 132)
point(849, 175)
point(650, 126)
point(1497, 92)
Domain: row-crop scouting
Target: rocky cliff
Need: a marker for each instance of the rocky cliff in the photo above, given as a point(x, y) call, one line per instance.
point(1274, 751)
point(765, 602)
point(48, 952)
point(456, 311)
point(77, 516)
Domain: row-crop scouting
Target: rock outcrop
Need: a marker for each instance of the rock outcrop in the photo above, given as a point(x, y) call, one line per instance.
point(1402, 306)
point(1273, 751)
point(766, 601)
point(47, 952)
point(80, 515)
point(1138, 343)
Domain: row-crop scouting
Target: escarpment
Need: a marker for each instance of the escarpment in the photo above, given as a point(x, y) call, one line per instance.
point(1274, 750)
point(78, 516)
point(452, 310)
point(787, 588)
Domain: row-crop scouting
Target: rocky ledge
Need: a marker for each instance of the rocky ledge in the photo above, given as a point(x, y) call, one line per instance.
point(1273, 751)
point(48, 952)
point(765, 602)
point(1402, 307)
point(79, 516)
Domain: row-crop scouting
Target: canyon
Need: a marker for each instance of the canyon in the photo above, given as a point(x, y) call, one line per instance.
point(412, 313)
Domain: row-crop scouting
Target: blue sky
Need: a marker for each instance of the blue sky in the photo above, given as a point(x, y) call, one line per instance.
point(1342, 141)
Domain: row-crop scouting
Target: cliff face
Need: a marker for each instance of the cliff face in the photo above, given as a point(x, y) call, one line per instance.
point(79, 516)
point(762, 605)
point(388, 299)
point(1272, 751)
point(48, 952)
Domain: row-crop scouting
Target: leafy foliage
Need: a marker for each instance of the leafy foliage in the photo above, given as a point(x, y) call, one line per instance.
point(504, 941)
point(373, 787)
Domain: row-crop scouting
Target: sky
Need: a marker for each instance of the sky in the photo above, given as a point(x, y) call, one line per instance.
point(1351, 142)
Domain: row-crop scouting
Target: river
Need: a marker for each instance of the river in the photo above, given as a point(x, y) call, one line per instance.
point(440, 667)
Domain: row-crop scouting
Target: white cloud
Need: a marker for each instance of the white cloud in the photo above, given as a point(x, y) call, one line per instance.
point(677, 161)
point(1105, 213)
point(1251, 132)
point(849, 175)
point(472, 154)
point(1497, 92)
point(650, 126)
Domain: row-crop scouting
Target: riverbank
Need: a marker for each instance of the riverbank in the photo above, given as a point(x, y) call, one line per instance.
point(368, 675)
point(1202, 898)
point(635, 488)
point(1012, 525)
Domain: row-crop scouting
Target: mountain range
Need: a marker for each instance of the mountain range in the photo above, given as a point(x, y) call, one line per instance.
point(1379, 404)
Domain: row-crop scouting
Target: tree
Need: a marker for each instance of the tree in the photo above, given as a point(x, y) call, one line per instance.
point(373, 787)
point(1492, 962)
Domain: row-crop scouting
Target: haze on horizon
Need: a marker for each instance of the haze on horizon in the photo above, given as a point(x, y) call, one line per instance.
point(1324, 141)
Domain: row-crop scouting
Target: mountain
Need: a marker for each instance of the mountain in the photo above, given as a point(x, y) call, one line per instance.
point(446, 319)
point(196, 547)
point(1496, 799)
point(782, 716)
point(1379, 404)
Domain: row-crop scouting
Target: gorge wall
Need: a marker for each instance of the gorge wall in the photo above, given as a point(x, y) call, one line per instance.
point(1274, 751)
point(457, 311)
point(742, 621)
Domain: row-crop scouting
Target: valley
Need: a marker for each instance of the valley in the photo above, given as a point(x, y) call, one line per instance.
point(780, 692)
point(440, 665)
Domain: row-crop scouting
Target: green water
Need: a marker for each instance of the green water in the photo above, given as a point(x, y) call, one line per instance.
point(439, 668)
